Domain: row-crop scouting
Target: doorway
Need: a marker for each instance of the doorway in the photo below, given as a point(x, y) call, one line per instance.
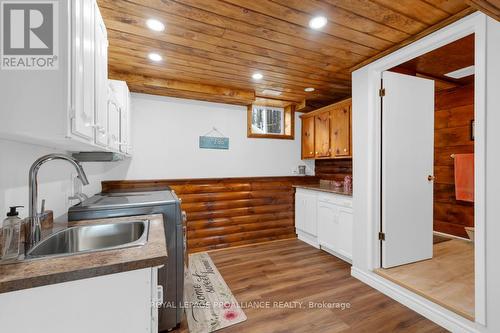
point(427, 176)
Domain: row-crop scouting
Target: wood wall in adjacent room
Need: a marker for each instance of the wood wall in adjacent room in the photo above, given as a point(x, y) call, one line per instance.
point(333, 169)
point(454, 110)
point(230, 211)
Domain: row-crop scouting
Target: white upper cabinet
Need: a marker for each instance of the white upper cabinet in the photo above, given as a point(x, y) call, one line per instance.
point(101, 79)
point(84, 60)
point(66, 106)
point(122, 96)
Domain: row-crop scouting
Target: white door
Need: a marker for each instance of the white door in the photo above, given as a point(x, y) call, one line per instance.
point(328, 230)
point(101, 80)
point(407, 162)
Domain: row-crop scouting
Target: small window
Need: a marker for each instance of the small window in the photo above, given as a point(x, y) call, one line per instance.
point(270, 122)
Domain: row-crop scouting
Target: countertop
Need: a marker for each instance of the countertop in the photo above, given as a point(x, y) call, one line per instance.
point(40, 272)
point(326, 188)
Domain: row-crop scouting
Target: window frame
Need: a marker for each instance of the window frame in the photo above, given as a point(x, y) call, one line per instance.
point(288, 123)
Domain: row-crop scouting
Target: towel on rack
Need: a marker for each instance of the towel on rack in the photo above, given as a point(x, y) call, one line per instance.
point(464, 177)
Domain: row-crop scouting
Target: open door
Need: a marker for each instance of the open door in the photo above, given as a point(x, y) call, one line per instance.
point(407, 168)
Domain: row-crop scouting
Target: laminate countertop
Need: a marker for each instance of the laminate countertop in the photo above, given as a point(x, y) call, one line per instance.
point(40, 272)
point(325, 188)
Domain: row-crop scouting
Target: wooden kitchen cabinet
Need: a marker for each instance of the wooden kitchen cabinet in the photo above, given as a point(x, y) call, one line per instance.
point(322, 134)
point(308, 138)
point(341, 130)
point(326, 133)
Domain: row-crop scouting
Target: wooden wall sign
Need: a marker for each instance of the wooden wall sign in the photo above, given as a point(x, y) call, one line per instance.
point(214, 142)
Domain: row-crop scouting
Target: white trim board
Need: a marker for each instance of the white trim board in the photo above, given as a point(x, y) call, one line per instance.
point(366, 140)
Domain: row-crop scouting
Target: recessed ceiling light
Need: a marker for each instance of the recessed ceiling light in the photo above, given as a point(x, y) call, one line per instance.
point(317, 22)
point(257, 76)
point(155, 57)
point(309, 89)
point(155, 25)
point(460, 73)
point(271, 92)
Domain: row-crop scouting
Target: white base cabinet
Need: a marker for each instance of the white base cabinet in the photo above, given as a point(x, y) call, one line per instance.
point(123, 302)
point(324, 220)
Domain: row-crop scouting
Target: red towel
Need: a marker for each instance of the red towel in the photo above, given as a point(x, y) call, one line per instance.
point(464, 177)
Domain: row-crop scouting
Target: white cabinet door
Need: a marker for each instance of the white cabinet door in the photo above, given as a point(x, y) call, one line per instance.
point(83, 95)
point(119, 302)
point(101, 80)
point(344, 224)
point(328, 225)
point(122, 93)
point(114, 120)
point(305, 210)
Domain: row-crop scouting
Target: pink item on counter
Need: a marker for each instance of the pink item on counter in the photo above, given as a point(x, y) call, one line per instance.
point(348, 184)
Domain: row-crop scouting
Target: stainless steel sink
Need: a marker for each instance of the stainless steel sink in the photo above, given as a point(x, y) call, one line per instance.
point(92, 238)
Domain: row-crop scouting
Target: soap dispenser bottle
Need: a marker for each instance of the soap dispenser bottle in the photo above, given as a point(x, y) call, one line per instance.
point(11, 234)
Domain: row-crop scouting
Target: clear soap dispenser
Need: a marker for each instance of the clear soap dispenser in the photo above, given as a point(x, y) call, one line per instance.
point(11, 234)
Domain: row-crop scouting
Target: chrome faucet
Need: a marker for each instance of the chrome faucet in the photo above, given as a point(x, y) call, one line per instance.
point(33, 227)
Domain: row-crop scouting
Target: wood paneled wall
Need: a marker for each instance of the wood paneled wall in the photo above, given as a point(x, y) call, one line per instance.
point(334, 169)
point(454, 113)
point(231, 211)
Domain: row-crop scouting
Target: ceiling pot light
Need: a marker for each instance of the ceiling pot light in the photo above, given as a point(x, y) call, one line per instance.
point(317, 22)
point(309, 89)
point(462, 72)
point(257, 76)
point(155, 57)
point(155, 25)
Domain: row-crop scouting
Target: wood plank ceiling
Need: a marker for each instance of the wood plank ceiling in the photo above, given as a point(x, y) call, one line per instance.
point(211, 48)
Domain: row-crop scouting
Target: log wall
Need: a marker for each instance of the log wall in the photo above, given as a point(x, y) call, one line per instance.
point(454, 111)
point(230, 212)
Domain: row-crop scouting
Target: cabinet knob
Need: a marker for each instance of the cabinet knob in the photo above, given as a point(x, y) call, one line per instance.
point(431, 178)
point(345, 150)
point(311, 152)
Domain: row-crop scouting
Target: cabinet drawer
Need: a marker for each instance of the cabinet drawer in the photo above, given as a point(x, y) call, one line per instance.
point(337, 199)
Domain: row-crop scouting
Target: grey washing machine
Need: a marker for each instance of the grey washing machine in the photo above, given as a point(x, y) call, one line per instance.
point(165, 202)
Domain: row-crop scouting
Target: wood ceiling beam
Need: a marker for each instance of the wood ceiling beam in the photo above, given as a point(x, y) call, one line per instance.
point(489, 7)
point(175, 88)
point(416, 37)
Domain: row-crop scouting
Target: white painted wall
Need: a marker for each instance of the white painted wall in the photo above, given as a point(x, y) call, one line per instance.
point(54, 184)
point(165, 134)
point(165, 145)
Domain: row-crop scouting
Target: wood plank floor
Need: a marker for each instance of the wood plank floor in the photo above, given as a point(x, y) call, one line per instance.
point(292, 271)
point(447, 278)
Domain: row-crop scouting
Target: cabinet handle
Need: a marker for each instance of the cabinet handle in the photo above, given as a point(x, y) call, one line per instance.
point(345, 150)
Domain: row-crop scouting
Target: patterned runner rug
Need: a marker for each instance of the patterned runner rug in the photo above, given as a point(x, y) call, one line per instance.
point(210, 304)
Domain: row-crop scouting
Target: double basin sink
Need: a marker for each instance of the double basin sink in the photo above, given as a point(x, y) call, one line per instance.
point(92, 238)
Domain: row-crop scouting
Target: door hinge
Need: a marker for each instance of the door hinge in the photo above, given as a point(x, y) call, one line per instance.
point(381, 236)
point(381, 92)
